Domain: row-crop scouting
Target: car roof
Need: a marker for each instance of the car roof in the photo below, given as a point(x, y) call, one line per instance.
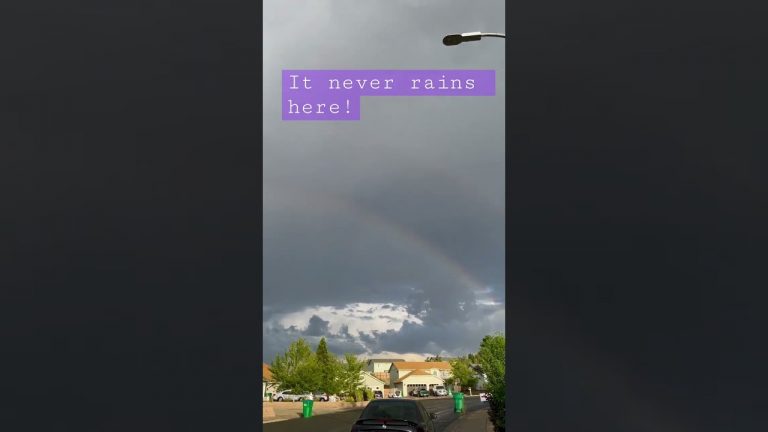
point(391, 401)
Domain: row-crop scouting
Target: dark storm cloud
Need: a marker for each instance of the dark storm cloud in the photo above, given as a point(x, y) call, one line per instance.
point(317, 327)
point(402, 207)
point(452, 336)
point(343, 346)
point(368, 339)
point(344, 333)
point(277, 339)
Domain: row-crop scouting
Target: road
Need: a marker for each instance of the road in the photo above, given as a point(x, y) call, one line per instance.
point(342, 421)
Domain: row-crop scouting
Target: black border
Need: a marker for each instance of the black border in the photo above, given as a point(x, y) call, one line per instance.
point(130, 161)
point(636, 209)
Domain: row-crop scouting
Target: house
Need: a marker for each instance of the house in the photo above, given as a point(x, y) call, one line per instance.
point(371, 382)
point(407, 376)
point(268, 386)
point(380, 368)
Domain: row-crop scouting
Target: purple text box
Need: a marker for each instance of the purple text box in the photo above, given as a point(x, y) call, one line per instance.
point(335, 94)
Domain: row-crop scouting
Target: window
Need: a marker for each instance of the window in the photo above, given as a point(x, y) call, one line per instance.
point(393, 409)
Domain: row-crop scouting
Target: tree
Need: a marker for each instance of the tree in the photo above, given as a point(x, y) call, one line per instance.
point(462, 372)
point(492, 359)
point(297, 368)
point(328, 368)
point(350, 378)
point(449, 382)
point(436, 358)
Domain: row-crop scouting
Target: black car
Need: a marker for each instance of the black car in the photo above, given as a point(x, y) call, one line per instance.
point(395, 415)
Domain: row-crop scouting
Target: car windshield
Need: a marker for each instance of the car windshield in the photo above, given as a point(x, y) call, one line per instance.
point(404, 410)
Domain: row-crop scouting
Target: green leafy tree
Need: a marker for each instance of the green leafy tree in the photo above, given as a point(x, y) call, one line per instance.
point(296, 369)
point(367, 394)
point(350, 378)
point(492, 359)
point(449, 382)
point(329, 369)
point(462, 373)
point(436, 358)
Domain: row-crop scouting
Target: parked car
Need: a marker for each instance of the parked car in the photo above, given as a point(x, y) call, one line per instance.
point(415, 392)
point(289, 395)
point(395, 394)
point(378, 394)
point(423, 393)
point(439, 390)
point(321, 396)
point(402, 415)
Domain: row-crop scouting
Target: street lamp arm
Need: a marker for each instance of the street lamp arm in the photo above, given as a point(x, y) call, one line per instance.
point(455, 39)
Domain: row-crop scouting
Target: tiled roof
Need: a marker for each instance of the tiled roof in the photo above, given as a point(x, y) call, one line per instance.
point(265, 372)
point(402, 378)
point(384, 360)
point(422, 365)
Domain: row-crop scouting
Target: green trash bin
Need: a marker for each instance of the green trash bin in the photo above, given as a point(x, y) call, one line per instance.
point(306, 408)
point(458, 402)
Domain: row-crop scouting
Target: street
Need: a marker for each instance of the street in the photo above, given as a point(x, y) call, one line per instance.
point(342, 421)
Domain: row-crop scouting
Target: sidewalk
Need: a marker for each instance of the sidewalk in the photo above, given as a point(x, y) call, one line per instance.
point(281, 411)
point(475, 421)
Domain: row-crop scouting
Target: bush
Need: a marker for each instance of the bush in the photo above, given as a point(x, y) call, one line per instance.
point(368, 394)
point(358, 395)
point(492, 360)
point(496, 414)
point(349, 399)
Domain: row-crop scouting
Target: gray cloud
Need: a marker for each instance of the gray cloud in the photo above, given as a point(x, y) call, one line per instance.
point(450, 336)
point(317, 327)
point(277, 339)
point(406, 206)
point(344, 333)
point(453, 337)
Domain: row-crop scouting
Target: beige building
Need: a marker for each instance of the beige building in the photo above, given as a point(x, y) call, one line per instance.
point(371, 382)
point(380, 368)
point(407, 376)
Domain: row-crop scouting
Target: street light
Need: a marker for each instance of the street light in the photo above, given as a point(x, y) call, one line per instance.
point(455, 39)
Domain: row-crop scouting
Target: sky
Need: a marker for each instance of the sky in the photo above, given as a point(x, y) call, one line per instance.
point(384, 235)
